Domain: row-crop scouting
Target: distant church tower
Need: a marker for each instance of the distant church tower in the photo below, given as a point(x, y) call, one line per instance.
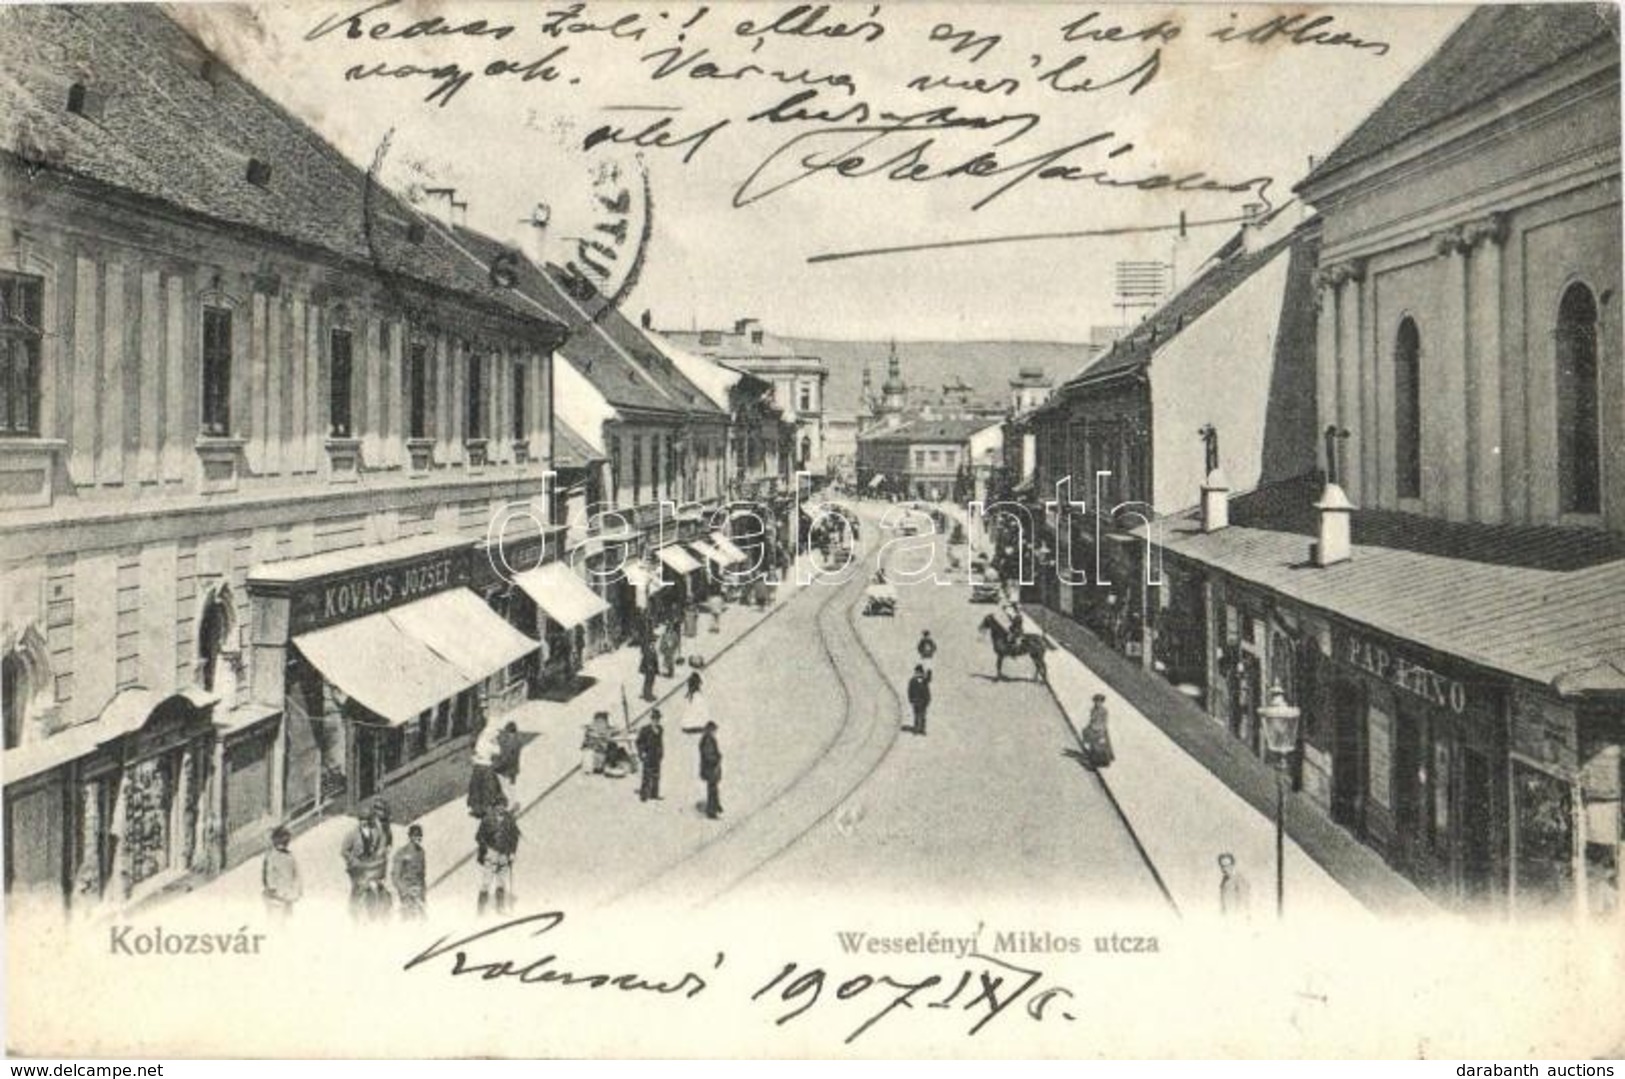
point(894, 393)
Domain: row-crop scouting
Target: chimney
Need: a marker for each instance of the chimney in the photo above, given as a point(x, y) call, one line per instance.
point(1335, 543)
point(744, 326)
point(443, 203)
point(1252, 227)
point(648, 319)
point(1215, 501)
point(1216, 487)
point(533, 234)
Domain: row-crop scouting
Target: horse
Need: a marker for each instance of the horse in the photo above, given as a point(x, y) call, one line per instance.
point(1006, 644)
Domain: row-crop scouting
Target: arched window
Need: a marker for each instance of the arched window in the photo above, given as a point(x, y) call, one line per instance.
point(26, 683)
point(217, 648)
point(1408, 411)
point(1579, 462)
point(806, 450)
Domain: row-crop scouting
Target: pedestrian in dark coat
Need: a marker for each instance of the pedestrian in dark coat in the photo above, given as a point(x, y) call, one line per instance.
point(506, 765)
point(498, 841)
point(648, 666)
point(927, 647)
point(651, 751)
point(919, 697)
point(669, 643)
point(711, 771)
point(1097, 740)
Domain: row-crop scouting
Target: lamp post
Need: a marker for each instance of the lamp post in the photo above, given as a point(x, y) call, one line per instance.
point(1281, 738)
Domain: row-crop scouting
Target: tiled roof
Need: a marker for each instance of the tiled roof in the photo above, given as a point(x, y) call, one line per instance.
point(610, 352)
point(1496, 596)
point(932, 431)
point(571, 450)
point(178, 127)
point(1496, 47)
point(1230, 268)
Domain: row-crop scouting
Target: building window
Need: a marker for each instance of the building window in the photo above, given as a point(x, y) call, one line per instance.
point(20, 337)
point(519, 401)
point(417, 388)
point(919, 460)
point(1408, 411)
point(14, 684)
point(806, 398)
point(654, 466)
point(637, 470)
point(339, 370)
point(216, 371)
point(615, 469)
point(476, 397)
point(1579, 462)
point(806, 451)
point(672, 471)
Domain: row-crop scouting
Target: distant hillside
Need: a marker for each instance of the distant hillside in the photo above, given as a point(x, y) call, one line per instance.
point(986, 365)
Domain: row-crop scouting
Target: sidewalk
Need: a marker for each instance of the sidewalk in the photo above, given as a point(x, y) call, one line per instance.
point(551, 755)
point(1189, 792)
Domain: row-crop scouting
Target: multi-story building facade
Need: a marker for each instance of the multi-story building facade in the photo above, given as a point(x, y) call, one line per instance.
point(257, 412)
point(1030, 388)
point(1123, 433)
point(924, 459)
point(1455, 633)
point(798, 381)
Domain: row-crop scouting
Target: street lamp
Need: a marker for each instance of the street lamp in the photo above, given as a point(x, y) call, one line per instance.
point(1281, 739)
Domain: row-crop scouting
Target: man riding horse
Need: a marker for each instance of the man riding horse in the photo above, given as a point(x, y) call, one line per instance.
point(1007, 644)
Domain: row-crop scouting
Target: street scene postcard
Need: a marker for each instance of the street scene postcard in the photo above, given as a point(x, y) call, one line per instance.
point(548, 529)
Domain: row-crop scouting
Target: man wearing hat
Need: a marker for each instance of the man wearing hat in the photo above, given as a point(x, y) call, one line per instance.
point(651, 750)
point(919, 696)
point(366, 859)
point(711, 770)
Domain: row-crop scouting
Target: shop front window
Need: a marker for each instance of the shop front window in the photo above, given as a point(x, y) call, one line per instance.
point(1544, 838)
point(149, 817)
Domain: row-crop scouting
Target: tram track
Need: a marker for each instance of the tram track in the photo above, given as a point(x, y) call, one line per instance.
point(844, 761)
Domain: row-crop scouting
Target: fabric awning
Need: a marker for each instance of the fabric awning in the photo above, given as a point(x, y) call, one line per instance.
point(729, 551)
point(709, 553)
point(128, 711)
point(460, 627)
point(678, 559)
point(645, 579)
point(401, 662)
point(562, 596)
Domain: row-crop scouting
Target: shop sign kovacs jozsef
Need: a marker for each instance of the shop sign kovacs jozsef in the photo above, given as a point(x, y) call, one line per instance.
point(364, 592)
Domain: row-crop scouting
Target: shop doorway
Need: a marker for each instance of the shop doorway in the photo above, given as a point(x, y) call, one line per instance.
point(1477, 827)
point(1348, 759)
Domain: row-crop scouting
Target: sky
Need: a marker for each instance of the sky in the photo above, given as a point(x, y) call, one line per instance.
point(827, 129)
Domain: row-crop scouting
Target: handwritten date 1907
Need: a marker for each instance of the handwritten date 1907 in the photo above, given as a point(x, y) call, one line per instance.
point(981, 986)
point(980, 989)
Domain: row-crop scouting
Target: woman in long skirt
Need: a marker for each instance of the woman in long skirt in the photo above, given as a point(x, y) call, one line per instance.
point(1096, 738)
